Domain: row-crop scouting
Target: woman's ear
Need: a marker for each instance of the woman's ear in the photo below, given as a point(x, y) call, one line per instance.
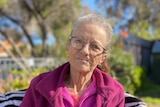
point(104, 56)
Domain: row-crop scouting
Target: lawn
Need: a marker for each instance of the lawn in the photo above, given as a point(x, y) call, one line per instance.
point(151, 102)
point(150, 94)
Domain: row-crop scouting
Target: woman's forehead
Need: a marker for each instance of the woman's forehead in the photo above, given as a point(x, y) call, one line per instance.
point(90, 32)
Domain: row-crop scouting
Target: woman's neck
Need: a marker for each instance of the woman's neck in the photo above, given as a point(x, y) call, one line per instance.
point(77, 82)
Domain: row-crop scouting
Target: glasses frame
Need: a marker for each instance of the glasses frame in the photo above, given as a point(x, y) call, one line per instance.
point(103, 52)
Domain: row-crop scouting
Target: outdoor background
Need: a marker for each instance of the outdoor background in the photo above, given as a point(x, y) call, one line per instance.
point(33, 36)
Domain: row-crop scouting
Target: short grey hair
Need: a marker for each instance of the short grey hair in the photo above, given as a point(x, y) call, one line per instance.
point(99, 20)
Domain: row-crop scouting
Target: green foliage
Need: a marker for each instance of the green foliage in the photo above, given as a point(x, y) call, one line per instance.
point(121, 59)
point(62, 36)
point(149, 93)
point(3, 3)
point(124, 69)
point(19, 79)
point(149, 88)
point(139, 76)
point(141, 30)
point(151, 102)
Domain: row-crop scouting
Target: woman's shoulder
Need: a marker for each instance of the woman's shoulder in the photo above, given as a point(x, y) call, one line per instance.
point(114, 83)
point(108, 81)
point(40, 77)
point(47, 74)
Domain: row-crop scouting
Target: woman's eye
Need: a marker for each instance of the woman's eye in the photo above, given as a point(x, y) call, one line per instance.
point(95, 47)
point(77, 40)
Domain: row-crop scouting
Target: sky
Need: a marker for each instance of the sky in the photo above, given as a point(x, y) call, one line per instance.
point(92, 6)
point(90, 3)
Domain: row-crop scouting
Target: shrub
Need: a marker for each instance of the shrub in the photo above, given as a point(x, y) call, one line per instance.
point(124, 69)
point(19, 79)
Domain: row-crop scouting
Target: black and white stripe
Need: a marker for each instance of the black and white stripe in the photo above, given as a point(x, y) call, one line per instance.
point(132, 101)
point(14, 99)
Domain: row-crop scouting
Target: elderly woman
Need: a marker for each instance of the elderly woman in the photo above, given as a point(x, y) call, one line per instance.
point(82, 81)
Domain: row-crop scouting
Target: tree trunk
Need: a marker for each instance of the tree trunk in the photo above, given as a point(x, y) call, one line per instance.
point(17, 50)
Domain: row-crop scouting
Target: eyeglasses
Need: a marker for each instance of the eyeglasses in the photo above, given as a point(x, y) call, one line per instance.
point(78, 44)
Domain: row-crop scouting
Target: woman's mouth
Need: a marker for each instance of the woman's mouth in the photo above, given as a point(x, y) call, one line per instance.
point(84, 60)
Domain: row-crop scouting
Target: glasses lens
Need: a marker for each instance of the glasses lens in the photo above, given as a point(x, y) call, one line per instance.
point(76, 43)
point(95, 47)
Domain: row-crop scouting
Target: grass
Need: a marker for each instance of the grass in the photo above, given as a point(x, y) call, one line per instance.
point(150, 94)
point(149, 89)
point(151, 102)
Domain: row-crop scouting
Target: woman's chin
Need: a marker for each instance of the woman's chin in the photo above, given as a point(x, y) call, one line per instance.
point(84, 68)
point(81, 66)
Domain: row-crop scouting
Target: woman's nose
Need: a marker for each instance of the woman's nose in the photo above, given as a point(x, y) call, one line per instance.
point(86, 49)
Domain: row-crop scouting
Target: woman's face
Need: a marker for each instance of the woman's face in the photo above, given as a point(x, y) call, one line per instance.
point(86, 46)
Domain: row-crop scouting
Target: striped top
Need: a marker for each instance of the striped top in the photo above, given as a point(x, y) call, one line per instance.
point(14, 99)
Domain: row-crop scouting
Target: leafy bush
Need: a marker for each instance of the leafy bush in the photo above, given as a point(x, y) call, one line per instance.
point(124, 69)
point(19, 79)
point(149, 88)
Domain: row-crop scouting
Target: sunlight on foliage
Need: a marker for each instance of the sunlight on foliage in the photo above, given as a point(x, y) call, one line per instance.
point(123, 67)
point(19, 79)
point(3, 3)
point(141, 29)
